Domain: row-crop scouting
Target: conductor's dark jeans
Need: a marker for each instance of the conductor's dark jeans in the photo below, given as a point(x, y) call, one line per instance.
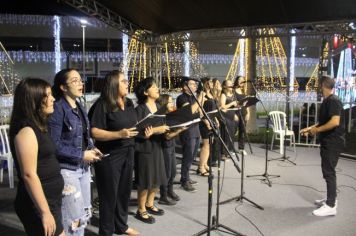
point(329, 159)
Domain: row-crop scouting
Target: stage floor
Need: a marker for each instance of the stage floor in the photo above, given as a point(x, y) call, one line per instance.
point(287, 204)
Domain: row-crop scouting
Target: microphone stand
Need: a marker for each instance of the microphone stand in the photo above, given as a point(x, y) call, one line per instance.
point(243, 124)
point(266, 176)
point(241, 197)
point(215, 225)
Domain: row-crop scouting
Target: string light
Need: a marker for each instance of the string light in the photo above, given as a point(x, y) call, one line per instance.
point(57, 42)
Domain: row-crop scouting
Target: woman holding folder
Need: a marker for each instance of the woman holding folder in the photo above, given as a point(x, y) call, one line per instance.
point(112, 121)
point(149, 156)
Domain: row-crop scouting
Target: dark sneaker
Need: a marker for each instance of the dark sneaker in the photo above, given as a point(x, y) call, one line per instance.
point(173, 195)
point(166, 201)
point(188, 187)
point(193, 182)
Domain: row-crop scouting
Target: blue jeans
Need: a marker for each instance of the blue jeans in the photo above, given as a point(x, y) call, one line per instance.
point(76, 200)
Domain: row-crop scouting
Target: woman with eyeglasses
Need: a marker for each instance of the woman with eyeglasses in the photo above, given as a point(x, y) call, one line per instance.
point(39, 191)
point(69, 128)
point(112, 120)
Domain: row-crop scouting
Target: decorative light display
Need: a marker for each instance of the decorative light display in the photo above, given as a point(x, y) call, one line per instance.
point(57, 43)
point(292, 62)
point(136, 60)
point(271, 63)
point(125, 52)
point(42, 20)
point(186, 58)
point(231, 74)
point(313, 81)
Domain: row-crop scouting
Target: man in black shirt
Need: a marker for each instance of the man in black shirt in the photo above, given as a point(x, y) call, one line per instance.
point(331, 134)
point(190, 137)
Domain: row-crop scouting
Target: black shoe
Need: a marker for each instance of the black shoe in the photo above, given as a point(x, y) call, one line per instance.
point(188, 187)
point(166, 201)
point(140, 216)
point(173, 195)
point(158, 212)
point(193, 182)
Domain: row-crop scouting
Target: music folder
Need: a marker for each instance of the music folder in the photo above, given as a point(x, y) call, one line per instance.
point(151, 119)
point(248, 101)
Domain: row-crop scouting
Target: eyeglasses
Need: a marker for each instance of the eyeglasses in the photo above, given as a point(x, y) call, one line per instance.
point(76, 82)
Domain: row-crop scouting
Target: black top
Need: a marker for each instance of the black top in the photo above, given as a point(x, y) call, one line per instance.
point(48, 169)
point(143, 144)
point(230, 114)
point(112, 121)
point(193, 130)
point(332, 106)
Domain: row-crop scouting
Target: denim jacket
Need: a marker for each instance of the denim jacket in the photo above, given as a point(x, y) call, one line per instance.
point(65, 129)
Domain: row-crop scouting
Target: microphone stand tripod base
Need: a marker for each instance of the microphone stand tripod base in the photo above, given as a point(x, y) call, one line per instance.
point(266, 179)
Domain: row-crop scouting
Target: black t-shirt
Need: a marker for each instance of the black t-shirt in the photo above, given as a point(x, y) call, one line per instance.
point(332, 106)
point(112, 121)
point(193, 130)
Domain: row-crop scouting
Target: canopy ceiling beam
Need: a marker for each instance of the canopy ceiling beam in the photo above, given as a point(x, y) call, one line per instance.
point(305, 29)
point(95, 9)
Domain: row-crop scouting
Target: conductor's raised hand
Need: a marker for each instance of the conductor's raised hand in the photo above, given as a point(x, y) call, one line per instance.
point(128, 133)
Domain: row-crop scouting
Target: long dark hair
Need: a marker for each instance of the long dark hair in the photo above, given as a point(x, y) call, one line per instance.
point(30, 95)
point(60, 78)
point(142, 87)
point(110, 90)
point(163, 101)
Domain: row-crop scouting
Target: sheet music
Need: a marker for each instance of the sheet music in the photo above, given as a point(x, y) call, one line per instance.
point(151, 115)
point(185, 123)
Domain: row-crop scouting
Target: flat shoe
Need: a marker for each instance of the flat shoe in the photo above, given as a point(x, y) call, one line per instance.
point(140, 216)
point(151, 210)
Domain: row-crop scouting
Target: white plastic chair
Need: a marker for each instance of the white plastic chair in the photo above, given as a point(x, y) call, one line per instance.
point(5, 154)
point(280, 130)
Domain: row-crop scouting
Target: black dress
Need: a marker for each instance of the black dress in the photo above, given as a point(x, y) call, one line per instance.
point(52, 183)
point(149, 158)
point(230, 125)
point(209, 105)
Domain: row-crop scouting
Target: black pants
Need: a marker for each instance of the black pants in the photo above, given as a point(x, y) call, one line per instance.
point(329, 159)
point(242, 130)
point(190, 148)
point(170, 164)
point(114, 182)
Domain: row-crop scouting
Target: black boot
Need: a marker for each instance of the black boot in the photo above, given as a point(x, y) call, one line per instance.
point(172, 194)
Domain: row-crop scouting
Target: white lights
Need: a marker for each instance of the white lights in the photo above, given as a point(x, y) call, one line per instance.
point(83, 22)
point(186, 57)
point(57, 42)
point(125, 52)
point(292, 62)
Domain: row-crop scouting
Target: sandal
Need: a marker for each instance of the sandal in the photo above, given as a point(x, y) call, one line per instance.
point(205, 174)
point(141, 216)
point(155, 210)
